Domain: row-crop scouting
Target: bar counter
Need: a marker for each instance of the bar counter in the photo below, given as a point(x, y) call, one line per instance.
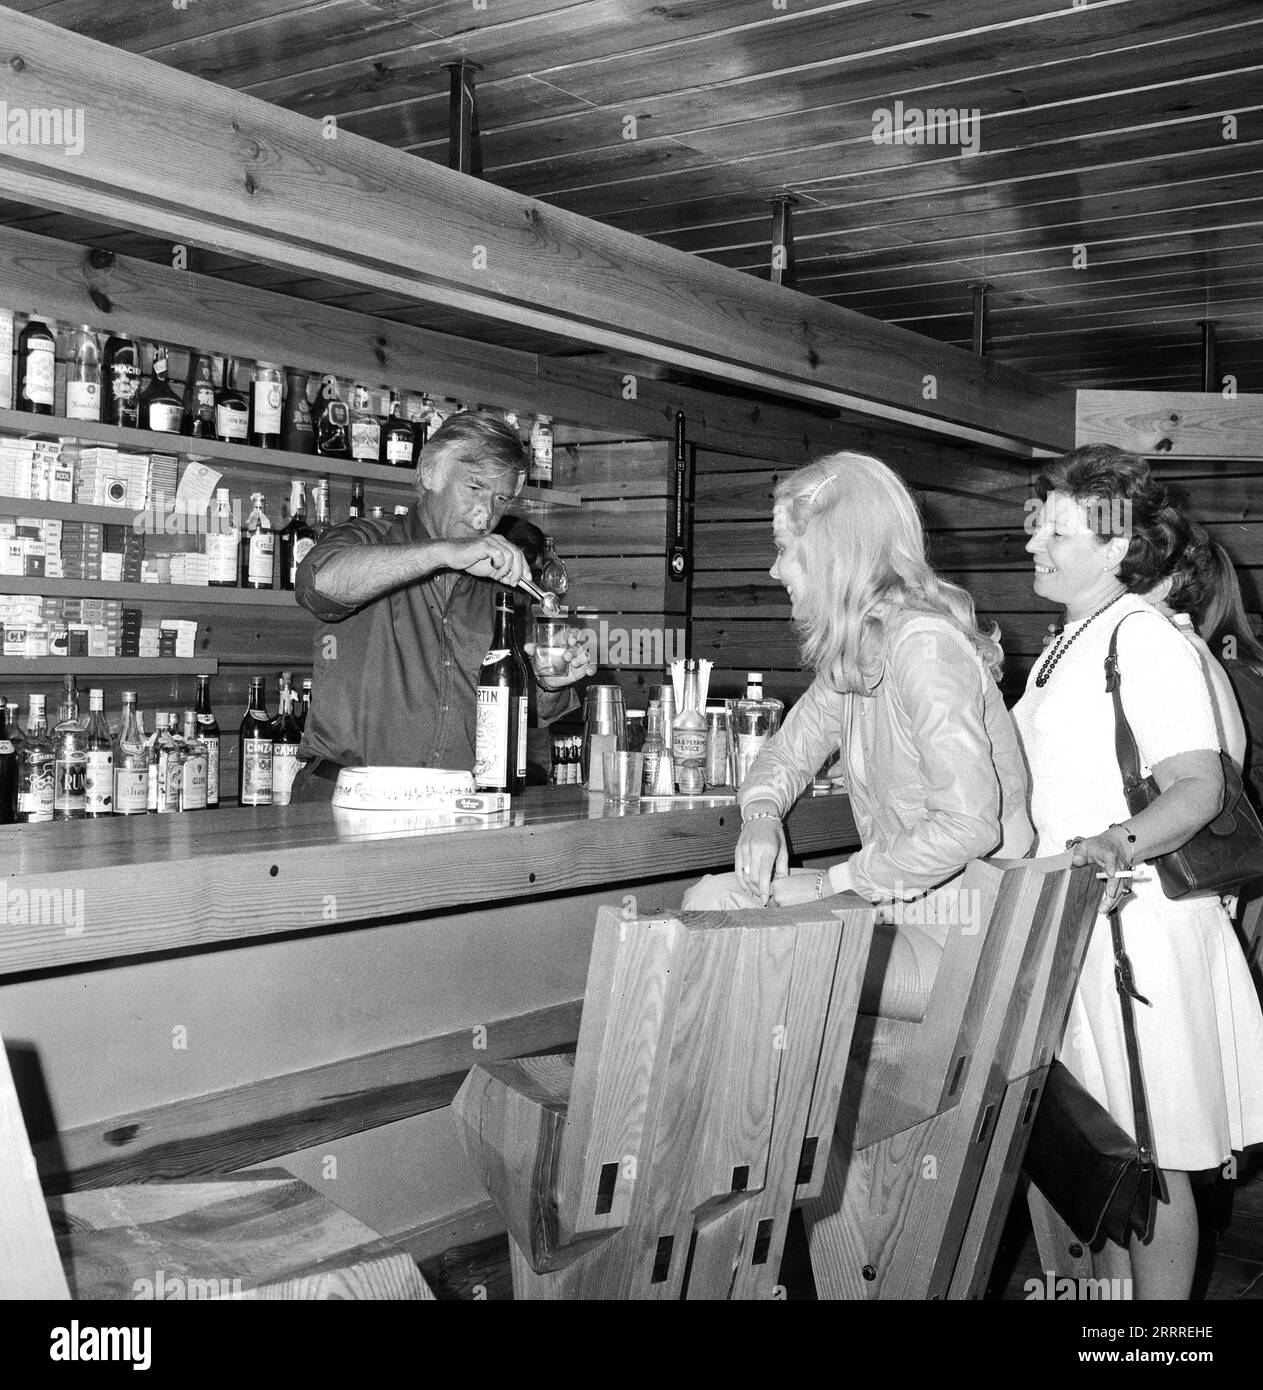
point(182, 995)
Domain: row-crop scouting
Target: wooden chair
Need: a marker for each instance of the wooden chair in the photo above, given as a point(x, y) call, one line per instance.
point(663, 1161)
point(937, 1112)
point(264, 1235)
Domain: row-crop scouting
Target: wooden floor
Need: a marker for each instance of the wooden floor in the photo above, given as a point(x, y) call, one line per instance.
point(1230, 1265)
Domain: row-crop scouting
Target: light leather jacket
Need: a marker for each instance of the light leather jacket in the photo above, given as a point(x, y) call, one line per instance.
point(934, 770)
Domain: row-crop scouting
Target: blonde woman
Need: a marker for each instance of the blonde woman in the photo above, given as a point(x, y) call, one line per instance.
point(905, 690)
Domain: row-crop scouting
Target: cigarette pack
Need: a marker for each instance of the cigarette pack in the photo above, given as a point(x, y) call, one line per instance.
point(482, 803)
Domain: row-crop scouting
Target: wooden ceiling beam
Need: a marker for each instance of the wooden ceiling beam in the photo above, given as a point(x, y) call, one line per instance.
point(171, 153)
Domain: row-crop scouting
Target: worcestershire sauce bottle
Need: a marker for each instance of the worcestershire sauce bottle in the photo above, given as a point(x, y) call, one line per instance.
point(500, 736)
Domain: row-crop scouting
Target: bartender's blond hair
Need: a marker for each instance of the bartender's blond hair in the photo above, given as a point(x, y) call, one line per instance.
point(862, 546)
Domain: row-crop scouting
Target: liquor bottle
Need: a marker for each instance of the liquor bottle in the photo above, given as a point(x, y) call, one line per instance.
point(688, 742)
point(17, 734)
point(121, 373)
point(36, 368)
point(223, 543)
point(366, 431)
point(169, 759)
point(320, 503)
point(357, 499)
point(500, 730)
point(232, 408)
point(332, 421)
point(160, 407)
point(131, 763)
point(297, 434)
point(254, 767)
point(259, 549)
point(654, 750)
point(84, 397)
point(198, 421)
point(554, 576)
point(286, 736)
point(194, 767)
point(397, 437)
point(541, 471)
point(419, 413)
point(755, 719)
point(305, 708)
point(98, 787)
point(36, 770)
point(208, 732)
point(154, 793)
point(70, 752)
point(266, 394)
point(296, 537)
point(8, 774)
point(377, 514)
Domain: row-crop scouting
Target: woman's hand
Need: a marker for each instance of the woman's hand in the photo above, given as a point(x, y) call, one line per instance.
point(1111, 850)
point(762, 855)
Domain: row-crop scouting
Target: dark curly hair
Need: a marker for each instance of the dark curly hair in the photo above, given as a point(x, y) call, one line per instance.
point(1130, 502)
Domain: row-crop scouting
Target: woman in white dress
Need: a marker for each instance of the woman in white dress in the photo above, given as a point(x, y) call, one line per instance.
point(1106, 535)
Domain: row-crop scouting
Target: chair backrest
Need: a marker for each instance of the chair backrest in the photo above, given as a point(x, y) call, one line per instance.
point(30, 1266)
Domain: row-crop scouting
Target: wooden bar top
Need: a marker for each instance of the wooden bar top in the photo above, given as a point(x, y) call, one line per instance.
point(131, 886)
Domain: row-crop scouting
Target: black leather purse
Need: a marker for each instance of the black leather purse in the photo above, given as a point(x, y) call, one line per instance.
point(1223, 854)
point(1100, 1180)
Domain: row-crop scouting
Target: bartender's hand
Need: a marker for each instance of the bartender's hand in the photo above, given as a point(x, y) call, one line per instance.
point(489, 557)
point(580, 661)
point(762, 854)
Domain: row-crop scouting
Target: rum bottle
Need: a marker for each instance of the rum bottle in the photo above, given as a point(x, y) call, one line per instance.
point(70, 758)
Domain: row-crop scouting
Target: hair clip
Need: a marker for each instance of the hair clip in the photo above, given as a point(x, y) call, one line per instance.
point(824, 482)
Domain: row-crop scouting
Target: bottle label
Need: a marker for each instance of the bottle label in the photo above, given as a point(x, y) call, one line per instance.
point(35, 797)
point(204, 404)
point(689, 745)
point(366, 440)
point(301, 547)
point(285, 767)
point(398, 449)
point(131, 791)
point(522, 721)
point(256, 771)
point(37, 384)
point(231, 423)
point(193, 783)
point(124, 381)
point(212, 761)
point(221, 555)
point(151, 787)
point(262, 549)
point(69, 779)
point(168, 783)
point(98, 789)
point(83, 400)
point(5, 747)
point(164, 416)
point(267, 407)
point(491, 737)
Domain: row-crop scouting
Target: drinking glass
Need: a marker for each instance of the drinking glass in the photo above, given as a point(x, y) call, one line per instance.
point(549, 657)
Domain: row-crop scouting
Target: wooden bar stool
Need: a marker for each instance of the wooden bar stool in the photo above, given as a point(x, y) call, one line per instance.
point(265, 1235)
point(663, 1162)
point(934, 1122)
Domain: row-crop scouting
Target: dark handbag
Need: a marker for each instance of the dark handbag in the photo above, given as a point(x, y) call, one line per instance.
point(1098, 1178)
point(1223, 854)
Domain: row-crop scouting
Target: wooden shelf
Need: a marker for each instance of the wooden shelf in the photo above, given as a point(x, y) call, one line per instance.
point(154, 593)
point(149, 441)
point(109, 666)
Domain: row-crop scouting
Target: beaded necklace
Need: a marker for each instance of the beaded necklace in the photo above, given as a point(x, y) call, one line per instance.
point(1064, 645)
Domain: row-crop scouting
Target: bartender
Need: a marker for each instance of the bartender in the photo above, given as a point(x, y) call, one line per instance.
point(405, 611)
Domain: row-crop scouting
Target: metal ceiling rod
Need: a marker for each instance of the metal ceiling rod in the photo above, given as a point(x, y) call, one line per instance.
point(784, 271)
point(1210, 351)
point(980, 318)
point(462, 113)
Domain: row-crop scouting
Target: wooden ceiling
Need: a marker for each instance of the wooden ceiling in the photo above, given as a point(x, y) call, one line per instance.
point(1114, 200)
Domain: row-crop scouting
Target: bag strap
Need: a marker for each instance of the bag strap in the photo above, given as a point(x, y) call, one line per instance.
point(1125, 749)
point(1127, 991)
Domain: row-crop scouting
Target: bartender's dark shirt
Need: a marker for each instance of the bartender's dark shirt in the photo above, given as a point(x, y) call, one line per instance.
point(394, 680)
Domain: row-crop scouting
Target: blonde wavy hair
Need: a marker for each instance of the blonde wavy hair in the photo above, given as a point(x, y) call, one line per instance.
point(861, 543)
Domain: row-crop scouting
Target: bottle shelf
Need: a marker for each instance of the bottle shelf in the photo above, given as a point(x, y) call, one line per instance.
point(182, 594)
point(27, 426)
point(109, 666)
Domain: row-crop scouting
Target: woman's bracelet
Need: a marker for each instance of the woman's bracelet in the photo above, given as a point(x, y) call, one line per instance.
point(760, 815)
point(820, 877)
point(1131, 839)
